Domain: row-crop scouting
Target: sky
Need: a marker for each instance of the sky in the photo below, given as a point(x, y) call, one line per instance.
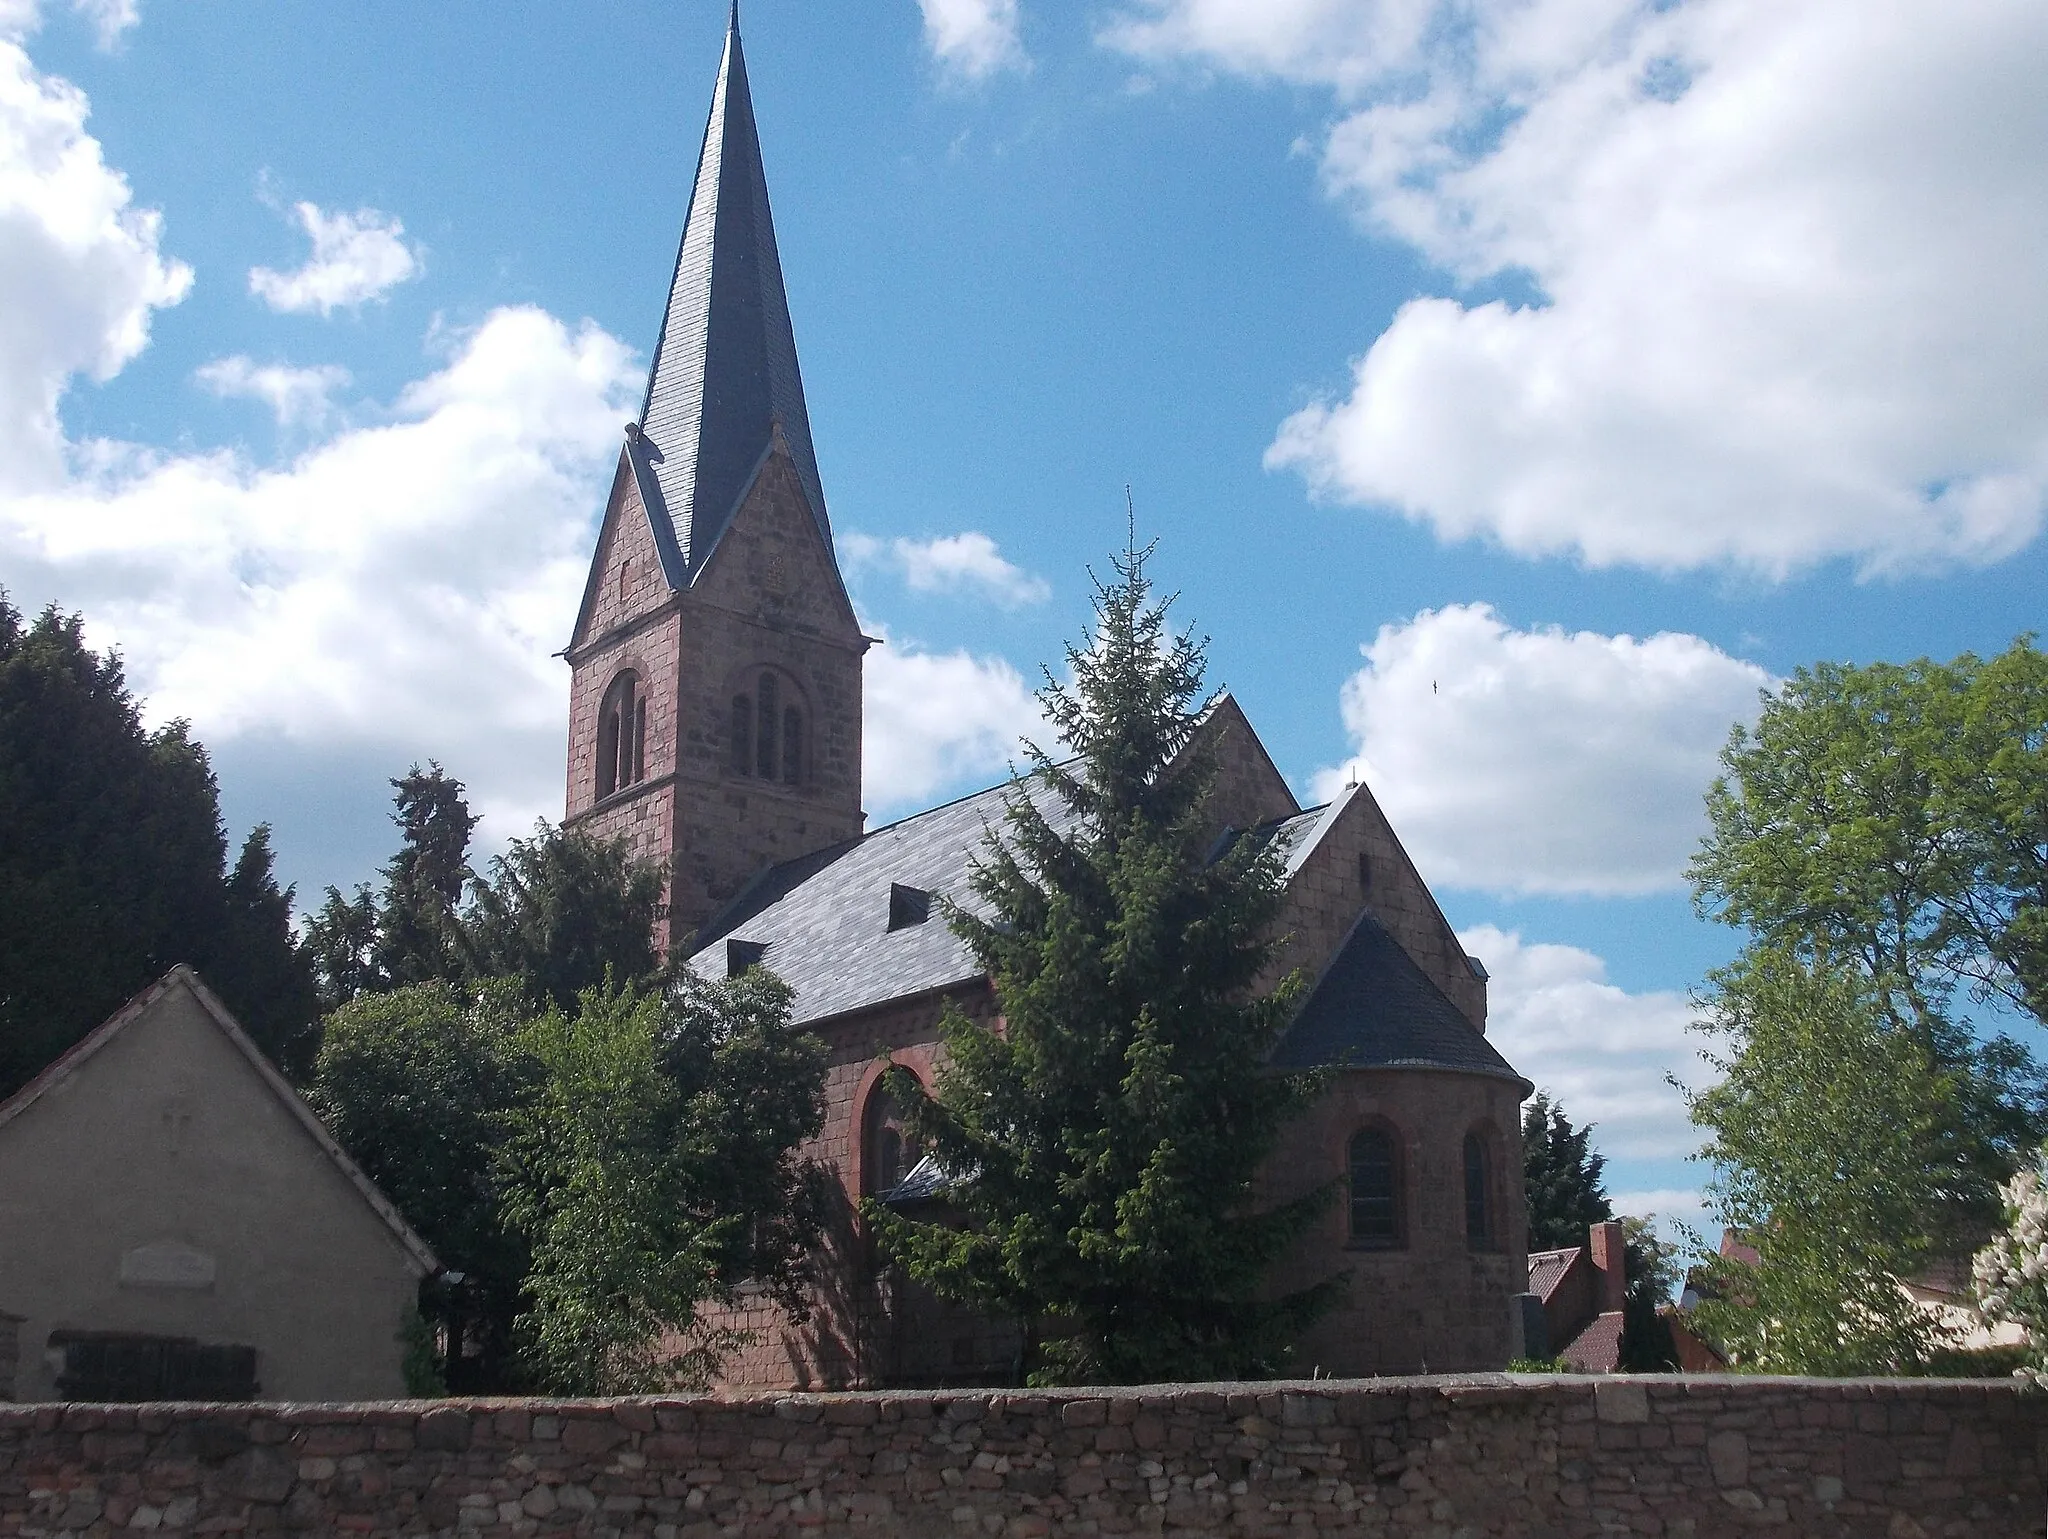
point(1515, 389)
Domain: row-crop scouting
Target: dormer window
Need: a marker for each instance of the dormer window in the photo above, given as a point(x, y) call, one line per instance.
point(908, 906)
point(621, 736)
point(743, 954)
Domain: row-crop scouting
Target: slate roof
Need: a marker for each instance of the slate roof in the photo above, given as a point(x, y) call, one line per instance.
point(825, 918)
point(823, 924)
point(1373, 1008)
point(725, 369)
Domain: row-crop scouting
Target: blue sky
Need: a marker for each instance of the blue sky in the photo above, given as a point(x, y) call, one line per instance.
point(1514, 388)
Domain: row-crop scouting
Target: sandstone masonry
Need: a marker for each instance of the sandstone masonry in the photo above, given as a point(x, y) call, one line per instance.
point(1665, 1456)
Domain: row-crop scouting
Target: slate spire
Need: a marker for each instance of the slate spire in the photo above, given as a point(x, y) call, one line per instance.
point(725, 371)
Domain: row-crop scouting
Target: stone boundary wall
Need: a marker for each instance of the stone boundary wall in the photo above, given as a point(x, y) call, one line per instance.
point(1491, 1455)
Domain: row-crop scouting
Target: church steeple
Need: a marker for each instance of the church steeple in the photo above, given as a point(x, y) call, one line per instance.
point(725, 371)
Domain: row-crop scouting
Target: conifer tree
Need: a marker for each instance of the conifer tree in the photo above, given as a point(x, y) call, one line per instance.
point(1562, 1175)
point(1104, 1143)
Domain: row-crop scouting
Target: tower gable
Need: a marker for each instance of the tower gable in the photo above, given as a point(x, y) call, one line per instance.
point(628, 578)
point(771, 562)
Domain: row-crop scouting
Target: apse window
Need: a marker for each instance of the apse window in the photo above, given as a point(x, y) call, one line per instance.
point(1478, 1174)
point(1376, 1217)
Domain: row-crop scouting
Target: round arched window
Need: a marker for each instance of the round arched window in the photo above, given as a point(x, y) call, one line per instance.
point(621, 735)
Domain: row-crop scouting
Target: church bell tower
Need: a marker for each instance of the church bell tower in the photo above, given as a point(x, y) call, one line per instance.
point(715, 699)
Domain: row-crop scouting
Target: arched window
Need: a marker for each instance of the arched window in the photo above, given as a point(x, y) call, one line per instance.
point(882, 1164)
point(792, 746)
point(621, 735)
point(767, 719)
point(1377, 1220)
point(1478, 1185)
point(742, 734)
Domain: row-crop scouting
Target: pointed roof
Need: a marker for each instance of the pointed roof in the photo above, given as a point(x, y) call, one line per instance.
point(725, 372)
point(182, 977)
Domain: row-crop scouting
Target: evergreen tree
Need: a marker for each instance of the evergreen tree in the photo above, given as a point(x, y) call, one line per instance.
point(1562, 1174)
point(1106, 1141)
point(113, 862)
point(559, 912)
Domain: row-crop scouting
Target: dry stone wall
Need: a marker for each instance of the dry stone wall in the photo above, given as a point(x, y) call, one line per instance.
point(1672, 1457)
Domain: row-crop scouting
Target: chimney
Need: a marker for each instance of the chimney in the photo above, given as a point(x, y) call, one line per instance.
point(1610, 1261)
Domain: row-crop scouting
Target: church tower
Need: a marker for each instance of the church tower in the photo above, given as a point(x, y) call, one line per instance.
point(715, 701)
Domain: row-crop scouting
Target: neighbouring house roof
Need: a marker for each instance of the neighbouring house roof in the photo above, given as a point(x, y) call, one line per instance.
point(138, 1008)
point(1547, 1268)
point(1374, 1008)
point(1597, 1348)
point(725, 374)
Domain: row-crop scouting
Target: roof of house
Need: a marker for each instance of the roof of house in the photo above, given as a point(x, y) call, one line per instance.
point(724, 377)
point(1597, 1348)
point(1547, 1268)
point(183, 977)
point(1374, 1008)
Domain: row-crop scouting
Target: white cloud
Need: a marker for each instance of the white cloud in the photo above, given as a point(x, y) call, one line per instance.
point(1541, 761)
point(1601, 1052)
point(402, 584)
point(82, 270)
point(297, 397)
point(356, 258)
point(974, 38)
point(1789, 304)
point(935, 720)
point(953, 563)
point(109, 18)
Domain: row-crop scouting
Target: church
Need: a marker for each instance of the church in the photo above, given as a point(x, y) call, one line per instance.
point(715, 727)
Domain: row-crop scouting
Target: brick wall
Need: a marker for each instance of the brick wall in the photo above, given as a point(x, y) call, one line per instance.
point(1672, 1457)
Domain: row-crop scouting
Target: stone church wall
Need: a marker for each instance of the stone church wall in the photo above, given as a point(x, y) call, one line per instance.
point(1534, 1459)
point(1436, 1302)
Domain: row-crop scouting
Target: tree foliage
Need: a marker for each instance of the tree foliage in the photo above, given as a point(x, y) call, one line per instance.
point(1107, 1138)
point(1897, 817)
point(1562, 1176)
point(417, 1084)
point(113, 862)
point(596, 1175)
point(559, 912)
point(1828, 1133)
point(653, 1169)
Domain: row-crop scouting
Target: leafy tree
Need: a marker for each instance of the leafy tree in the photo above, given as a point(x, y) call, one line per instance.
point(1562, 1176)
point(1653, 1276)
point(559, 912)
point(1828, 1132)
point(113, 862)
point(418, 1085)
point(1896, 816)
point(653, 1170)
point(1108, 1137)
point(408, 933)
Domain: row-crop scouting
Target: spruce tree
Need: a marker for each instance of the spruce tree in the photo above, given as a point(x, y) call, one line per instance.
point(1104, 1143)
point(1562, 1175)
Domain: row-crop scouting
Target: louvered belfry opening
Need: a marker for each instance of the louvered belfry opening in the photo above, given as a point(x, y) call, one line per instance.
point(621, 736)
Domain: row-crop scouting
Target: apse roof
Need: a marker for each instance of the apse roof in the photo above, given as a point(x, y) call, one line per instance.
point(725, 369)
